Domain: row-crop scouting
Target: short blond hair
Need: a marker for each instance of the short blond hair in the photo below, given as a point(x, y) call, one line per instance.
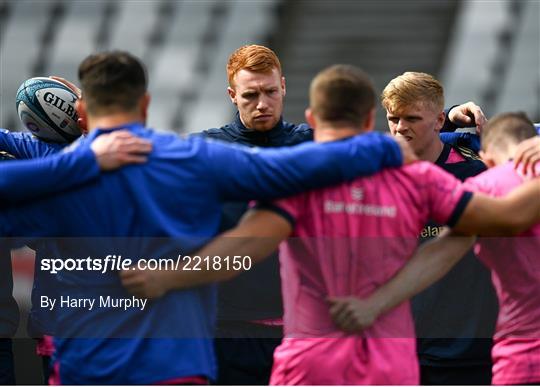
point(411, 88)
point(252, 57)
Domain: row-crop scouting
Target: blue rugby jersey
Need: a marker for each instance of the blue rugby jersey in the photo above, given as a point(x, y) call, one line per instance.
point(178, 193)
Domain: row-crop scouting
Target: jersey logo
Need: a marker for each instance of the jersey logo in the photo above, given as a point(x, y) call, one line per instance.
point(6, 156)
point(431, 231)
point(468, 153)
point(357, 193)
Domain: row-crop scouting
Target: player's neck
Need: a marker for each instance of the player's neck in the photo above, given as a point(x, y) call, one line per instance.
point(431, 152)
point(325, 133)
point(113, 120)
point(503, 157)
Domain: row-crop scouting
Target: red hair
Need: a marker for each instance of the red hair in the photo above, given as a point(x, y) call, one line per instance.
point(252, 57)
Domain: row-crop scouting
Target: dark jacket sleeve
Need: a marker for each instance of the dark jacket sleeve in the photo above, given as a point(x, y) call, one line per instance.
point(449, 126)
point(462, 139)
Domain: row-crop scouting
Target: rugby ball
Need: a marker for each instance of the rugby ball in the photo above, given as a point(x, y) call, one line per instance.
point(46, 107)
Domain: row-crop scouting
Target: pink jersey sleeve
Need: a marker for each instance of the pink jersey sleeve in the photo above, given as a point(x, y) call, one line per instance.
point(447, 197)
point(289, 208)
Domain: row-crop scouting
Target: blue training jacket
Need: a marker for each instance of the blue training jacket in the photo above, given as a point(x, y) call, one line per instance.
point(256, 294)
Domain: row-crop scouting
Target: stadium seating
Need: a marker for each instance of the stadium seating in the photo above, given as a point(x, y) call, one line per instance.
point(385, 38)
point(494, 57)
point(25, 24)
point(184, 44)
point(521, 87)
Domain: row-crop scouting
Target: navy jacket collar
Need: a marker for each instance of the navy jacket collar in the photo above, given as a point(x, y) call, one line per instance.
point(250, 134)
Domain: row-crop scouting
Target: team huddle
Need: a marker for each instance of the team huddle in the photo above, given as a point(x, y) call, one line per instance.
point(343, 225)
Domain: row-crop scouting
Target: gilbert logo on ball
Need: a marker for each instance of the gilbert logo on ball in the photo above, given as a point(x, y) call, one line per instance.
point(46, 108)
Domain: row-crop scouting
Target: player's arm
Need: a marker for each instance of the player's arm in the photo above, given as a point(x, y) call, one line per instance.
point(463, 139)
point(429, 263)
point(509, 215)
point(473, 213)
point(481, 215)
point(257, 235)
point(240, 173)
point(26, 179)
point(26, 146)
point(465, 115)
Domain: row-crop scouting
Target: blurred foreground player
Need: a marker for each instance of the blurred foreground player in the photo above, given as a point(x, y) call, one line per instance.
point(111, 151)
point(40, 323)
point(455, 317)
point(24, 180)
point(39, 326)
point(178, 193)
point(513, 262)
point(336, 248)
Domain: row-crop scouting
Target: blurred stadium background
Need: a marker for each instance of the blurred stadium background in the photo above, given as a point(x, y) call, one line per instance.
point(485, 51)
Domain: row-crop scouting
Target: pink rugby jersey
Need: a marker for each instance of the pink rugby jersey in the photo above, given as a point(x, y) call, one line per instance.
point(515, 271)
point(349, 240)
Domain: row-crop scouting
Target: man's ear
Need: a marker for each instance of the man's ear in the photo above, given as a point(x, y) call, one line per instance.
point(145, 102)
point(310, 118)
point(283, 86)
point(80, 107)
point(440, 121)
point(82, 121)
point(232, 95)
point(369, 123)
point(487, 159)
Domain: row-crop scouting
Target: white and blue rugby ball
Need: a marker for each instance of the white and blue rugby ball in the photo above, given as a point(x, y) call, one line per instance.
point(46, 108)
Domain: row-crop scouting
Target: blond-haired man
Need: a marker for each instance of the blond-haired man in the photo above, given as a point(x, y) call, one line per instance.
point(455, 317)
